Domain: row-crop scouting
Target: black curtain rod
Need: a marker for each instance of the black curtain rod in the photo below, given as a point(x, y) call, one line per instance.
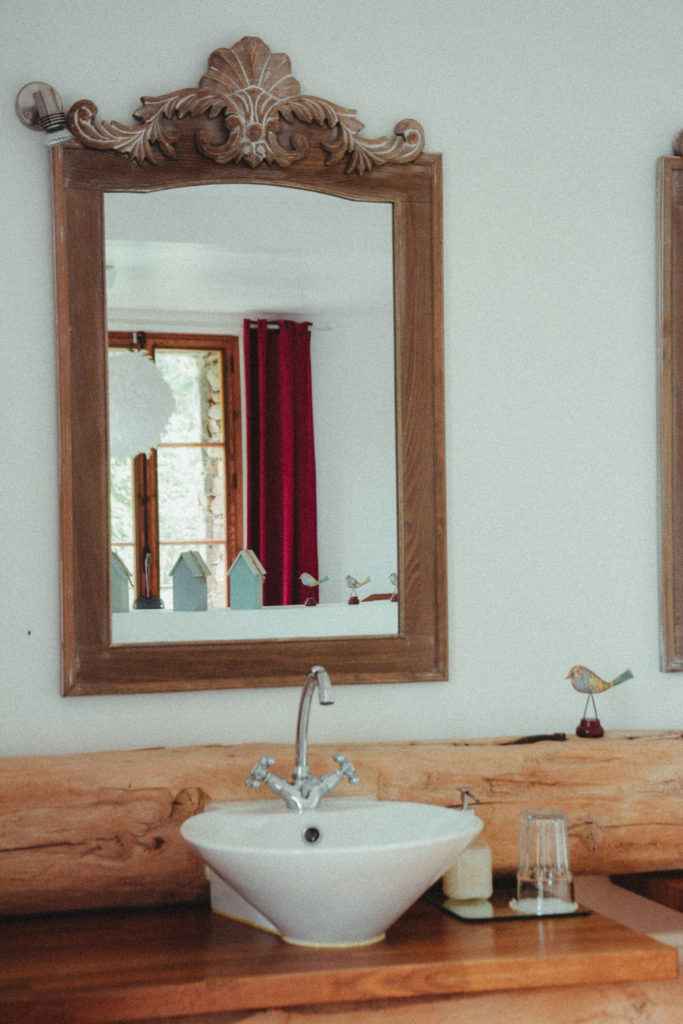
point(276, 323)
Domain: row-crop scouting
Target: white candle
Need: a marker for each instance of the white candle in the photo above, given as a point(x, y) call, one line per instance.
point(471, 877)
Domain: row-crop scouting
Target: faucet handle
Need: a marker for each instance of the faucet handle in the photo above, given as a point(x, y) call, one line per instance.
point(347, 769)
point(259, 772)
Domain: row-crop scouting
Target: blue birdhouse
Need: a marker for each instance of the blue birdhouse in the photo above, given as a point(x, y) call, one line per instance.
point(246, 576)
point(121, 583)
point(190, 575)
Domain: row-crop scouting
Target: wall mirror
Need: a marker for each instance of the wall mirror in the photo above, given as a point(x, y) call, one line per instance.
point(670, 302)
point(197, 259)
point(247, 124)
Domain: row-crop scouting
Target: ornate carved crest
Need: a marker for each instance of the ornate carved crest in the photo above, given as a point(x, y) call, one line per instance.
point(262, 110)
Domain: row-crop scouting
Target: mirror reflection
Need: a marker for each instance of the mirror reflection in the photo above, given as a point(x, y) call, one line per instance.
point(185, 269)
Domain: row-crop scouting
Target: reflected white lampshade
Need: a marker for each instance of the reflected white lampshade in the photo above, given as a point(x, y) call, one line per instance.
point(140, 404)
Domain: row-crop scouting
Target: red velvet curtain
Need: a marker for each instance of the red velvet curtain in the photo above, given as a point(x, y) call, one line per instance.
point(282, 519)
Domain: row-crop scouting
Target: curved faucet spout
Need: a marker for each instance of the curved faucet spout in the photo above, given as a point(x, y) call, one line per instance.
point(305, 792)
point(318, 676)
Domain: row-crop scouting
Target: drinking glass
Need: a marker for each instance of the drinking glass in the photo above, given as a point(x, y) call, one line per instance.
point(544, 878)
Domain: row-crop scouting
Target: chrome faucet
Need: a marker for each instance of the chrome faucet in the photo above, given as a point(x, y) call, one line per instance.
point(305, 791)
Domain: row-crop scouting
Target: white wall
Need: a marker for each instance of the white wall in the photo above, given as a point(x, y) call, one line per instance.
point(550, 116)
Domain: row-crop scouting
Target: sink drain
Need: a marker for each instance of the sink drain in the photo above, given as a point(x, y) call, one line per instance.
point(312, 834)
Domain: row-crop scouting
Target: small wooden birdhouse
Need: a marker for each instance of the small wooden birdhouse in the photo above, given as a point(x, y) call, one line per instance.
point(246, 576)
point(190, 575)
point(121, 583)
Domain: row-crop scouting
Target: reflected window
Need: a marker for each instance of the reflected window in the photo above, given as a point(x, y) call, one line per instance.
point(187, 494)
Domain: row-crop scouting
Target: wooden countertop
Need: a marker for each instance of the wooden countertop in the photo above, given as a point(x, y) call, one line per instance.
point(91, 968)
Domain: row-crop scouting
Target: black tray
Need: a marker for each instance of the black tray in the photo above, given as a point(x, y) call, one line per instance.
point(497, 908)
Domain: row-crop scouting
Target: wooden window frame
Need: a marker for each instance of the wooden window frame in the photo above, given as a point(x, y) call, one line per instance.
point(145, 467)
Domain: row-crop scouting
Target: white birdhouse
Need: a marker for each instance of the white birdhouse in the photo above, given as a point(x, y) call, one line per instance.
point(247, 576)
point(121, 583)
point(190, 590)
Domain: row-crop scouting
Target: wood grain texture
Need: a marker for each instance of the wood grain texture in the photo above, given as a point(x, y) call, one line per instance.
point(113, 967)
point(256, 113)
point(102, 830)
point(650, 1002)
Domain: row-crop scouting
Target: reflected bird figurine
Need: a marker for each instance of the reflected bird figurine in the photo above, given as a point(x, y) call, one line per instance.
point(393, 579)
point(353, 585)
point(310, 581)
point(586, 681)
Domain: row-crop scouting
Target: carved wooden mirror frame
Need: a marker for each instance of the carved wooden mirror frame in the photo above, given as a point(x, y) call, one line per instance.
point(670, 319)
point(246, 122)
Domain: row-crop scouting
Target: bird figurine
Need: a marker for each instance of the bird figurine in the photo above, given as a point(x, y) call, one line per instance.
point(393, 579)
point(585, 681)
point(310, 581)
point(354, 584)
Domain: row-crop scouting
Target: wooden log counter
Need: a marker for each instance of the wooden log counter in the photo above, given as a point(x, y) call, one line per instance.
point(107, 917)
point(127, 965)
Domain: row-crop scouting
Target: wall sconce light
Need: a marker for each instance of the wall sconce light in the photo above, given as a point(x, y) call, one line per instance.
point(39, 107)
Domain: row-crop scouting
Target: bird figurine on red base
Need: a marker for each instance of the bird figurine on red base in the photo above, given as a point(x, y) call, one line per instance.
point(353, 584)
point(588, 682)
point(310, 582)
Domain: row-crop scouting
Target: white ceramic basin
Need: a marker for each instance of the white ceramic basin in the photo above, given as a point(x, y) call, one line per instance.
point(336, 876)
